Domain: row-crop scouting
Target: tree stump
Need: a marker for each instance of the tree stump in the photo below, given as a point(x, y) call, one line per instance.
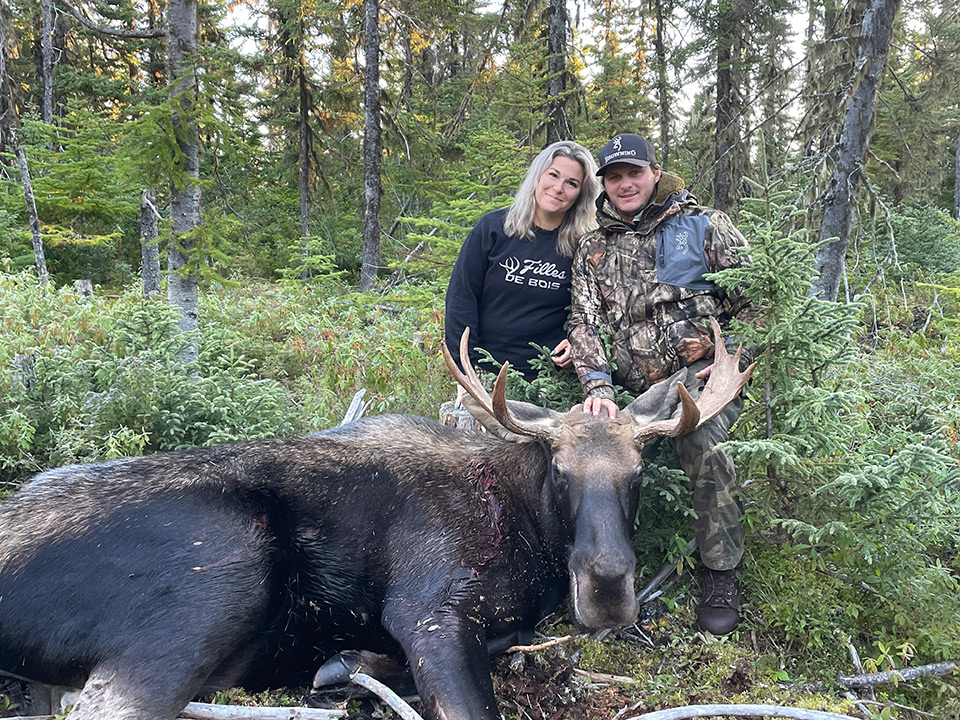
point(452, 416)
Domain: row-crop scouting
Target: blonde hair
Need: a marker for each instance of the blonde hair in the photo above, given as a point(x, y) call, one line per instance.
point(582, 215)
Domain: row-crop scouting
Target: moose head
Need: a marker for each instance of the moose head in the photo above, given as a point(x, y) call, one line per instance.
point(596, 468)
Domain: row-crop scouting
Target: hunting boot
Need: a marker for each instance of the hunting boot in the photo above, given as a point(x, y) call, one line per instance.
point(720, 598)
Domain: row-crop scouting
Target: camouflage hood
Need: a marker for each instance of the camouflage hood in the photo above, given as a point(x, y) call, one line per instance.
point(668, 199)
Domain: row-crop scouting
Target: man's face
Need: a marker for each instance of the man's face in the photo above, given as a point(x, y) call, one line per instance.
point(630, 187)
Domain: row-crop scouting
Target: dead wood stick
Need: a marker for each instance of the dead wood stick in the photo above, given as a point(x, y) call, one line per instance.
point(665, 572)
point(604, 678)
point(895, 676)
point(898, 705)
point(858, 666)
point(207, 711)
point(396, 703)
point(698, 711)
point(541, 646)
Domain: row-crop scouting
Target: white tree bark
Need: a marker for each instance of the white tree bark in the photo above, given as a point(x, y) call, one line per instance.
point(663, 85)
point(182, 289)
point(149, 249)
point(35, 237)
point(10, 129)
point(46, 26)
point(956, 182)
point(371, 146)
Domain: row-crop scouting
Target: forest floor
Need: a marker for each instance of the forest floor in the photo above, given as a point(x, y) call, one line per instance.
point(660, 662)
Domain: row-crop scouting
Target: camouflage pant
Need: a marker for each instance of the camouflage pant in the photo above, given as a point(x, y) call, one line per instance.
point(713, 480)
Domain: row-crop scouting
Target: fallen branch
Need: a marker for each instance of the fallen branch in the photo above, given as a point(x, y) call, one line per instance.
point(895, 676)
point(902, 707)
point(396, 703)
point(665, 572)
point(207, 711)
point(604, 678)
point(698, 711)
point(541, 646)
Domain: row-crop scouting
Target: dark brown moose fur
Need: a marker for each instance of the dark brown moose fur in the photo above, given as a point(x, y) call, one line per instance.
point(149, 580)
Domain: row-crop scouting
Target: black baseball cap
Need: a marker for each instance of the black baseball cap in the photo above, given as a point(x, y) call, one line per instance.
point(626, 148)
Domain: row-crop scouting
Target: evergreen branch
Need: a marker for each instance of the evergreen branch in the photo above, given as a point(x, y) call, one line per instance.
point(111, 32)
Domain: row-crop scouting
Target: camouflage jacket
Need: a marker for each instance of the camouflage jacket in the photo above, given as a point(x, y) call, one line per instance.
point(641, 285)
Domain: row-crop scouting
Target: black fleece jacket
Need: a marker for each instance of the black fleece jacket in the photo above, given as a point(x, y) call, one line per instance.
point(509, 291)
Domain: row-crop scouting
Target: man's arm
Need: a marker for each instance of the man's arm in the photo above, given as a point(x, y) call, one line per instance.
point(586, 345)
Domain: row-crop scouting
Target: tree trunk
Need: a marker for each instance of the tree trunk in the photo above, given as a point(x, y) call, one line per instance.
point(956, 181)
point(663, 86)
point(841, 195)
point(558, 123)
point(149, 250)
point(726, 177)
point(35, 236)
point(182, 290)
point(10, 131)
point(371, 146)
point(304, 153)
point(46, 27)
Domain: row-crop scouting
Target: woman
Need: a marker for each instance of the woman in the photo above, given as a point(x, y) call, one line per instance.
point(511, 282)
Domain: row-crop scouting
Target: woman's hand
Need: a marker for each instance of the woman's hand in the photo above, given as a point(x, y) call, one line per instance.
point(561, 354)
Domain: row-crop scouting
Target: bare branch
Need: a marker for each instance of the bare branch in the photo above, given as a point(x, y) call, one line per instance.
point(541, 646)
point(695, 711)
point(396, 703)
point(207, 711)
point(112, 32)
point(606, 679)
point(895, 676)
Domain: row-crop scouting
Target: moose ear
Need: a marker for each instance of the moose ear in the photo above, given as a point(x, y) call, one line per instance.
point(659, 402)
point(525, 412)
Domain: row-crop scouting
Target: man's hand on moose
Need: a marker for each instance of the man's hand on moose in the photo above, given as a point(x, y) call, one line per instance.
point(600, 406)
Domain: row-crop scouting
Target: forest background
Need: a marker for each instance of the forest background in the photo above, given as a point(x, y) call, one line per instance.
point(306, 171)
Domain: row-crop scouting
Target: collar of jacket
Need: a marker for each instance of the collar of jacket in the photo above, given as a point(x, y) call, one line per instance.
point(670, 196)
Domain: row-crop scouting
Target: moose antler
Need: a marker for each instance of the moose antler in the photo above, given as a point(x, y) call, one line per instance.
point(722, 387)
point(497, 406)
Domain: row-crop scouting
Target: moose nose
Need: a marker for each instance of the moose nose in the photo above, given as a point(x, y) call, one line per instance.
point(601, 589)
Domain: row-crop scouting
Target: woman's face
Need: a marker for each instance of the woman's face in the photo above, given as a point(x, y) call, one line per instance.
point(557, 191)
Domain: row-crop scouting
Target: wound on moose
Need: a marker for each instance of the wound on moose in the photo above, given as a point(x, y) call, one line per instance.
point(148, 581)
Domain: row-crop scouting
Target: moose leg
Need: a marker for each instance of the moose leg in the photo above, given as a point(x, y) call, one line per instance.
point(444, 641)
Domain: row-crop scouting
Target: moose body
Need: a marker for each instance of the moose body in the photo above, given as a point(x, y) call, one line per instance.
point(153, 579)
point(147, 581)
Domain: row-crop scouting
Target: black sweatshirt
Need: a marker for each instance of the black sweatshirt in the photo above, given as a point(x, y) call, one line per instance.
point(510, 292)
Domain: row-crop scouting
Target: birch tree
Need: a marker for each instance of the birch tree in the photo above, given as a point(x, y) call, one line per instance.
point(371, 146)
point(956, 181)
point(11, 132)
point(182, 289)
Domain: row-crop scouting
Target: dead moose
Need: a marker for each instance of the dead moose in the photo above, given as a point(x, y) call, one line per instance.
point(150, 580)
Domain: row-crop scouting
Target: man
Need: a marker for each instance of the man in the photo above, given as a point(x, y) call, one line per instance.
point(638, 284)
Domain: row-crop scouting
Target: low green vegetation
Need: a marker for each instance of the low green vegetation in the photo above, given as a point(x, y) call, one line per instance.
point(847, 449)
